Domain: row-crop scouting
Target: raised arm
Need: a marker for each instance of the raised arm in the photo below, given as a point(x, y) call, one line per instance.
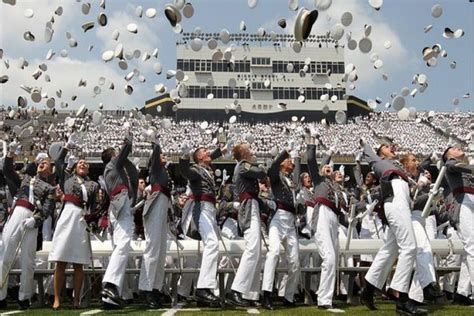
point(369, 154)
point(11, 176)
point(274, 170)
point(155, 164)
point(297, 171)
point(216, 153)
point(124, 152)
point(59, 165)
point(186, 170)
point(313, 165)
point(251, 171)
point(453, 165)
point(358, 174)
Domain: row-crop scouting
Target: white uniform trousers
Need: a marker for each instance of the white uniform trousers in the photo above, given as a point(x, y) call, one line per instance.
point(327, 241)
point(122, 228)
point(11, 237)
point(247, 278)
point(399, 242)
point(449, 280)
point(152, 272)
point(466, 233)
point(424, 264)
point(282, 230)
point(207, 229)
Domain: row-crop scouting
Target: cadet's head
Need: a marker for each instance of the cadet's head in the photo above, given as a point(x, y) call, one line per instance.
point(370, 179)
point(453, 153)
point(202, 156)
point(242, 152)
point(44, 167)
point(326, 171)
point(338, 177)
point(410, 163)
point(386, 151)
point(108, 154)
point(163, 159)
point(82, 168)
point(427, 175)
point(141, 184)
point(287, 165)
point(305, 180)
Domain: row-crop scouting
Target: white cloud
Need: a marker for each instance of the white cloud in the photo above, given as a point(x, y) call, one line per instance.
point(65, 75)
point(381, 31)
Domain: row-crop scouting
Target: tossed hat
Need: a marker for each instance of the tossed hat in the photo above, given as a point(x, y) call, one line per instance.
point(172, 14)
point(304, 22)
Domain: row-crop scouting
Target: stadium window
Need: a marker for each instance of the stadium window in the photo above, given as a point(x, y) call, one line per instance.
point(219, 92)
point(225, 93)
point(219, 66)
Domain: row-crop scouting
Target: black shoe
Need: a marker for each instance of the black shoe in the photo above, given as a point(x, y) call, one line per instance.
point(162, 297)
point(433, 293)
point(235, 298)
point(253, 303)
point(206, 296)
point(462, 300)
point(152, 300)
point(324, 307)
point(3, 304)
point(110, 306)
point(13, 292)
point(449, 295)
point(24, 304)
point(367, 299)
point(110, 291)
point(409, 308)
point(267, 300)
point(182, 299)
point(289, 304)
point(314, 297)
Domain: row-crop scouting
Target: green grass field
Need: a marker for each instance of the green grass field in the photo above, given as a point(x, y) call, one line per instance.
point(385, 308)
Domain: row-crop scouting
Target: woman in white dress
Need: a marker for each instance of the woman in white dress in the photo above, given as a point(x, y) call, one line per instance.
point(71, 240)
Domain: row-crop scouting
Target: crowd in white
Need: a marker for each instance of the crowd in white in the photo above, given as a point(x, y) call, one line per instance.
point(424, 135)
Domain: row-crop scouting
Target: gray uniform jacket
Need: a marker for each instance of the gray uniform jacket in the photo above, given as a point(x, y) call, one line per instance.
point(71, 184)
point(121, 171)
point(283, 185)
point(159, 177)
point(245, 179)
point(43, 192)
point(201, 182)
point(325, 189)
point(384, 170)
point(460, 178)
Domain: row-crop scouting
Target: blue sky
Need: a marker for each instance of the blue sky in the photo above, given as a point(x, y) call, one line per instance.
point(400, 21)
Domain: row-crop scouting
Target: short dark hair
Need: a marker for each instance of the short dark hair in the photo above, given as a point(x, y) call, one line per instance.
point(107, 155)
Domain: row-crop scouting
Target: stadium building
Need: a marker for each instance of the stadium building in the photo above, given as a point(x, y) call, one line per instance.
point(261, 78)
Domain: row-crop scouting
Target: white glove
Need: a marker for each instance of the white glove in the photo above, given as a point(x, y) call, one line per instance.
point(71, 161)
point(358, 157)
point(236, 205)
point(294, 154)
point(13, 147)
point(72, 141)
point(225, 177)
point(332, 150)
point(370, 207)
point(362, 142)
point(185, 149)
point(271, 204)
point(341, 170)
point(290, 145)
point(29, 223)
